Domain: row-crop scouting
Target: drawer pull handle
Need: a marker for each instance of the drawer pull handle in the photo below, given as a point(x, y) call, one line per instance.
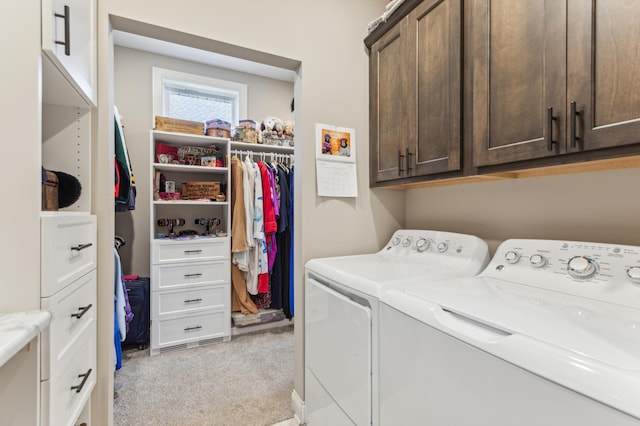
point(83, 310)
point(551, 144)
point(81, 247)
point(574, 114)
point(193, 300)
point(67, 30)
point(192, 251)
point(192, 275)
point(85, 377)
point(197, 327)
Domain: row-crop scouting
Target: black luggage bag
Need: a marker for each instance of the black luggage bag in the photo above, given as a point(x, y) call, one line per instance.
point(138, 292)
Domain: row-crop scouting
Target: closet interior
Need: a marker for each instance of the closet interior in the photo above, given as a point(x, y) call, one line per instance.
point(216, 267)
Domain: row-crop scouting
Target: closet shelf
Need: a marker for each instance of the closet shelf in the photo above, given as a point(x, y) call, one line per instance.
point(189, 169)
point(190, 203)
point(245, 146)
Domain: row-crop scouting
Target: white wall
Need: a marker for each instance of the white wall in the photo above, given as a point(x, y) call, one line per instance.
point(133, 97)
point(331, 88)
point(22, 142)
point(595, 207)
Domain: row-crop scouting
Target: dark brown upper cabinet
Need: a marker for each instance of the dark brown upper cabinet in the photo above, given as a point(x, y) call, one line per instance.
point(415, 93)
point(552, 77)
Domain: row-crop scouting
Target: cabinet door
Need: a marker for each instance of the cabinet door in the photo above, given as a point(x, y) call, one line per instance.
point(388, 86)
point(518, 70)
point(69, 40)
point(434, 103)
point(604, 73)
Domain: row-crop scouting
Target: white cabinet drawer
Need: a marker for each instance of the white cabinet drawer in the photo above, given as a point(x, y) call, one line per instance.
point(73, 310)
point(167, 251)
point(68, 250)
point(172, 332)
point(185, 301)
point(180, 276)
point(66, 393)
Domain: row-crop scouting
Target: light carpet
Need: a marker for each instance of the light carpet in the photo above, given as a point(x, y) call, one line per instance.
point(247, 381)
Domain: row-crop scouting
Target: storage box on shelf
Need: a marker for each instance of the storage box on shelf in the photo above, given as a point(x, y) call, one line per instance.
point(190, 247)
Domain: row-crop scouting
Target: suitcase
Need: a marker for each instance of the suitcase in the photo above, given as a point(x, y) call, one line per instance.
point(138, 292)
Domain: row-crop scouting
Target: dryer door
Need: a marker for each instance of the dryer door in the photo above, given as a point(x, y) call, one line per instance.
point(338, 356)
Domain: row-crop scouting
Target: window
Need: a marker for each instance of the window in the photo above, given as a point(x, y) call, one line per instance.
point(197, 98)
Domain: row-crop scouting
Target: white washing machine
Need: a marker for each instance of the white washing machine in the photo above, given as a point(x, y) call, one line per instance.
point(548, 334)
point(341, 316)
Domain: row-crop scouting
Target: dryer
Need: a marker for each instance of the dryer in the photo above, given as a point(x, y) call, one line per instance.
point(341, 316)
point(548, 334)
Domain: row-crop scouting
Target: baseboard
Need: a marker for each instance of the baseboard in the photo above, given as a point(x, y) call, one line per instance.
point(297, 406)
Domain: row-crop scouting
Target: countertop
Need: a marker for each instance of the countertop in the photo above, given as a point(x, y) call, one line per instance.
point(19, 328)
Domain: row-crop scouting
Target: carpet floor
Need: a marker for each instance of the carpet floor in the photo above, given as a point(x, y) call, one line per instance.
point(247, 381)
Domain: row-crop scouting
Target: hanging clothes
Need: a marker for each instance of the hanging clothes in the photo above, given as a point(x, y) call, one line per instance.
point(240, 300)
point(291, 264)
point(125, 186)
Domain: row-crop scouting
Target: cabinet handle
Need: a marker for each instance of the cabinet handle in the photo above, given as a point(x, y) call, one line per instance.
point(409, 155)
point(193, 275)
point(67, 31)
point(192, 251)
point(84, 376)
point(197, 327)
point(550, 119)
point(193, 300)
point(400, 157)
point(574, 115)
point(83, 310)
point(81, 247)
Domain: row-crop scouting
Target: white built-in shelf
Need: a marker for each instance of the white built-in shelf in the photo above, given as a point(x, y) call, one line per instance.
point(186, 138)
point(245, 146)
point(190, 203)
point(188, 169)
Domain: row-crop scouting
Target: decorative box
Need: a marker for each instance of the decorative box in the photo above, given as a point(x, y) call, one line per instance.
point(198, 190)
point(245, 134)
point(179, 126)
point(218, 128)
point(49, 190)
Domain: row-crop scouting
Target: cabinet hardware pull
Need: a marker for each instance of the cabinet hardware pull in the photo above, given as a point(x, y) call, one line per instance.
point(574, 115)
point(83, 310)
point(81, 247)
point(199, 274)
point(193, 300)
point(192, 251)
point(550, 119)
point(67, 31)
point(84, 376)
point(400, 157)
point(409, 155)
point(197, 327)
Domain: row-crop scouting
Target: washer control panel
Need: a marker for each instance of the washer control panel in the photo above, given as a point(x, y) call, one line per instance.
point(600, 271)
point(413, 242)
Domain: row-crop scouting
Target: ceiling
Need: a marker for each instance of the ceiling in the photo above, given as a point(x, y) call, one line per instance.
point(160, 47)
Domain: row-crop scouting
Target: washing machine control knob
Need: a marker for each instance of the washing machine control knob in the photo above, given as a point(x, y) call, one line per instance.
point(422, 244)
point(512, 256)
point(538, 260)
point(407, 242)
point(634, 274)
point(442, 247)
point(581, 267)
point(395, 241)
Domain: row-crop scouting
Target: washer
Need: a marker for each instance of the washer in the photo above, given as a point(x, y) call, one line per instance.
point(547, 334)
point(341, 316)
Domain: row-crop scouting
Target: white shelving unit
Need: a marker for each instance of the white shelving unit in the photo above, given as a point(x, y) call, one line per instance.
point(68, 240)
point(190, 276)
